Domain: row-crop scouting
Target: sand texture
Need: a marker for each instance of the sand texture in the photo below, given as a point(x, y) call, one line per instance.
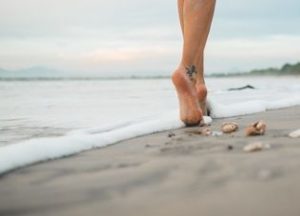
point(172, 173)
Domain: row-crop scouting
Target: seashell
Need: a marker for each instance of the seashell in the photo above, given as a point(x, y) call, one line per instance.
point(229, 127)
point(295, 134)
point(261, 126)
point(257, 146)
point(253, 147)
point(256, 129)
point(205, 131)
point(251, 131)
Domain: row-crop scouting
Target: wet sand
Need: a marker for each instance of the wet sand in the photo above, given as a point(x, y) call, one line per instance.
point(162, 175)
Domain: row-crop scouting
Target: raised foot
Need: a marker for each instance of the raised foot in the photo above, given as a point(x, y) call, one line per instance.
point(190, 111)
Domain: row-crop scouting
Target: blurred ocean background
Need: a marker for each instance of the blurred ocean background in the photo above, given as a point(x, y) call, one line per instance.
point(47, 108)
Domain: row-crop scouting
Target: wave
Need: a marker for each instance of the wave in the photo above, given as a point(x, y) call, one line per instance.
point(32, 151)
point(219, 110)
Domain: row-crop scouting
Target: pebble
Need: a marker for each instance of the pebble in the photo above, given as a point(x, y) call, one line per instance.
point(171, 135)
point(229, 147)
point(207, 120)
point(295, 134)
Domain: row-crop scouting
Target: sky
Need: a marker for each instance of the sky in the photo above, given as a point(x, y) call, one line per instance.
point(143, 37)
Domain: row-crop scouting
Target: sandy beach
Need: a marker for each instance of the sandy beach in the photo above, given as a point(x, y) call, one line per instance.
point(170, 173)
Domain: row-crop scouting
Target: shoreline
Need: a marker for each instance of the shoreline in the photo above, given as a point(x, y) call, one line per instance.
point(163, 174)
point(214, 76)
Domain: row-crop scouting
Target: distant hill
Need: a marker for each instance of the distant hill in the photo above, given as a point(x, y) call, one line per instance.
point(287, 69)
point(33, 72)
point(43, 73)
point(2, 70)
point(39, 72)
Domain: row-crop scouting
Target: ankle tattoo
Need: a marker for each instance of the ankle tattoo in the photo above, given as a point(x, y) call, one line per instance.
point(191, 72)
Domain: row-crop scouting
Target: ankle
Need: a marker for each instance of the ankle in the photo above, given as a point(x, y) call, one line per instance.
point(189, 73)
point(201, 90)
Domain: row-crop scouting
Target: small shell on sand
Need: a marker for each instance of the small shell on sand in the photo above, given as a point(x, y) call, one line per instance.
point(229, 127)
point(295, 134)
point(205, 131)
point(256, 129)
point(253, 147)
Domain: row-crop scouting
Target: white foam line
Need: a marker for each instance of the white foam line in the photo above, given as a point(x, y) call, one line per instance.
point(284, 103)
point(222, 111)
point(43, 149)
point(37, 150)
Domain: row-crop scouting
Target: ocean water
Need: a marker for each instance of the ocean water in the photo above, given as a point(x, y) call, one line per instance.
point(42, 120)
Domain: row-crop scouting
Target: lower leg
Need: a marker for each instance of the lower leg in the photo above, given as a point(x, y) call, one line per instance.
point(180, 13)
point(196, 18)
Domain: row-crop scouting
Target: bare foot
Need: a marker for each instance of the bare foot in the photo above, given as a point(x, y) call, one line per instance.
point(190, 111)
point(201, 95)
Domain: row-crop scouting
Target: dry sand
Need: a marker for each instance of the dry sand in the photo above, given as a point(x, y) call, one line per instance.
point(186, 174)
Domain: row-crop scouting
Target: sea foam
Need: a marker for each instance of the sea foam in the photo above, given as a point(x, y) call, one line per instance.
point(43, 149)
point(219, 110)
point(137, 113)
point(36, 150)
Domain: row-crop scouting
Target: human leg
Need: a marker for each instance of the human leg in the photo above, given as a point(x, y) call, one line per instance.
point(195, 19)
